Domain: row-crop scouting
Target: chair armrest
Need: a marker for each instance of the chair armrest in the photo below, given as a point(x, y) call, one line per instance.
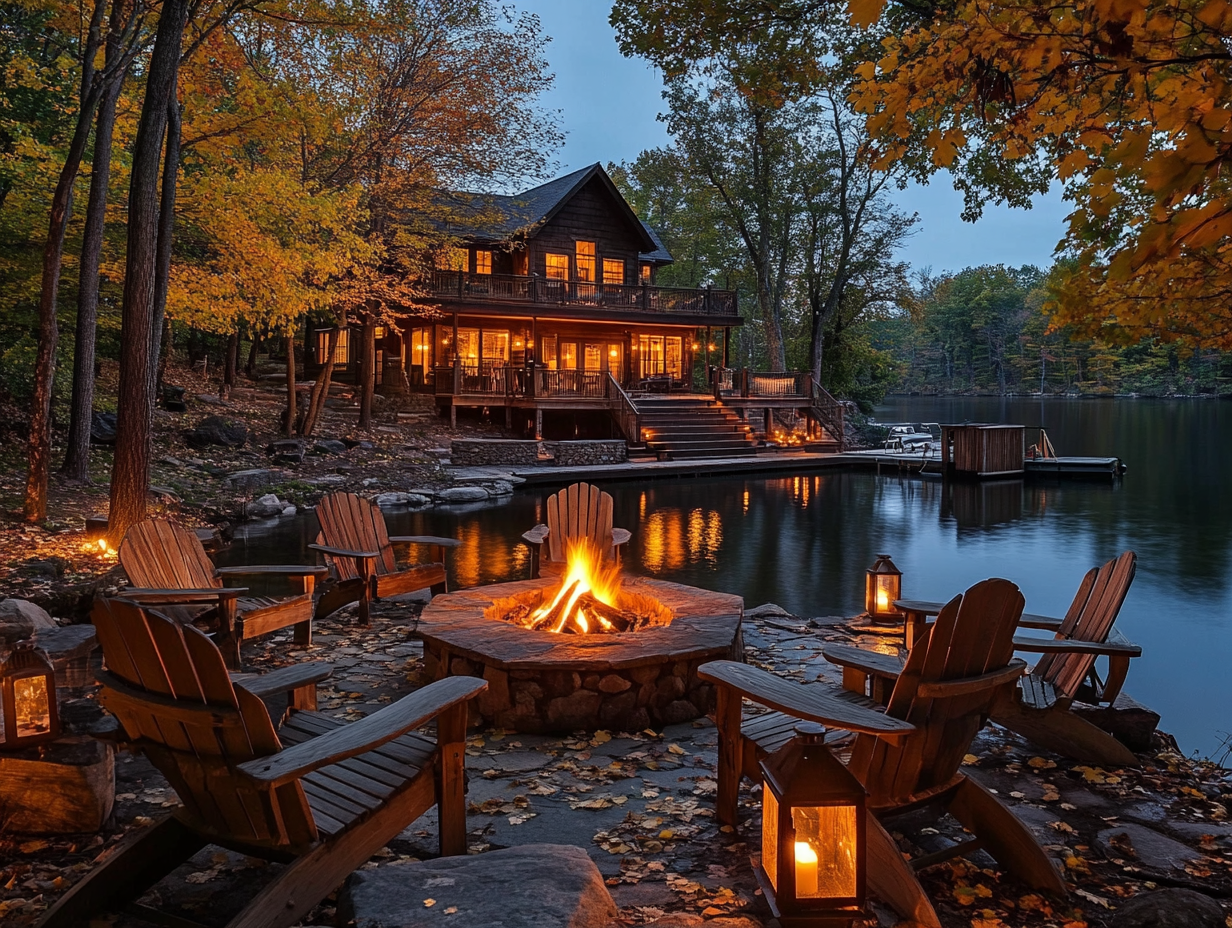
point(1046, 622)
point(620, 536)
point(813, 702)
point(344, 552)
point(537, 535)
point(283, 679)
point(964, 686)
point(1072, 646)
point(407, 714)
point(885, 666)
point(425, 540)
point(153, 597)
point(287, 570)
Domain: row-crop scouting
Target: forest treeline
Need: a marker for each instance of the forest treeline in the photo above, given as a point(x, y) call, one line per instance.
point(987, 330)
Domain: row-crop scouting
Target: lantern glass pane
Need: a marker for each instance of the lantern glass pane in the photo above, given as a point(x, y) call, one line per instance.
point(30, 706)
point(770, 835)
point(825, 851)
point(887, 592)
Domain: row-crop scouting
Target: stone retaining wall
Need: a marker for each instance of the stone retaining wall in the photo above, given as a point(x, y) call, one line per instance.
point(474, 452)
point(584, 453)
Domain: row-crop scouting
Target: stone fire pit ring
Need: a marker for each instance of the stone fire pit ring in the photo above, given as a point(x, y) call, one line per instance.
point(540, 682)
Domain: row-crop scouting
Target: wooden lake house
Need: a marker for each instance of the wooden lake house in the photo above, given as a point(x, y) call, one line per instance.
point(549, 309)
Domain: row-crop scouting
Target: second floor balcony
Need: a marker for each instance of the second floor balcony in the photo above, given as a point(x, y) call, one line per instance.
point(462, 286)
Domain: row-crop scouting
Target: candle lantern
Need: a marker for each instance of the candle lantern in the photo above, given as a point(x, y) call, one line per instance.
point(28, 709)
point(883, 584)
point(813, 835)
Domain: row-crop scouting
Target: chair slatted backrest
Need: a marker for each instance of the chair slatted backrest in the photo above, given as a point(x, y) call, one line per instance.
point(168, 686)
point(161, 555)
point(973, 635)
point(356, 524)
point(576, 512)
point(1090, 618)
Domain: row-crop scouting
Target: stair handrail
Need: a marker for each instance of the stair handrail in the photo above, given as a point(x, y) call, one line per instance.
point(828, 411)
point(628, 417)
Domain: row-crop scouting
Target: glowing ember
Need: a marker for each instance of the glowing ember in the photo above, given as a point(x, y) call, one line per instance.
point(587, 600)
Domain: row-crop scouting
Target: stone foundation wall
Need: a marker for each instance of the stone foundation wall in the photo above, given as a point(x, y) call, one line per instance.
point(584, 453)
point(474, 452)
point(545, 701)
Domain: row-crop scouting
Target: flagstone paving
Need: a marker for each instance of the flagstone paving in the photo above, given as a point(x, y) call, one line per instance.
point(641, 805)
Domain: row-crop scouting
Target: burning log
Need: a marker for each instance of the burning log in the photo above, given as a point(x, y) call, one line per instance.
point(552, 617)
point(620, 620)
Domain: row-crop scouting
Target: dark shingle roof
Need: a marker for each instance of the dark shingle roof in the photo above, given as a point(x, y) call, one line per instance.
point(660, 255)
point(494, 217)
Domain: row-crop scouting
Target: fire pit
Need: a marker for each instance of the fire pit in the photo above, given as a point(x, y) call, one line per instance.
point(591, 651)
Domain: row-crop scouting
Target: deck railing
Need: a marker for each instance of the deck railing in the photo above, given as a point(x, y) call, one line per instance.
point(828, 411)
point(464, 286)
point(584, 384)
point(624, 411)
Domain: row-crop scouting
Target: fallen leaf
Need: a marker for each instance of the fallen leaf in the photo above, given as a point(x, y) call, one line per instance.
point(429, 903)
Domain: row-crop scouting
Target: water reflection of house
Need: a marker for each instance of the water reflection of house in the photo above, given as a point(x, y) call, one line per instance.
point(551, 291)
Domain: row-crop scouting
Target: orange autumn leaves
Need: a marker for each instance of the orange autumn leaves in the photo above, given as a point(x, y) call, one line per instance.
point(1130, 101)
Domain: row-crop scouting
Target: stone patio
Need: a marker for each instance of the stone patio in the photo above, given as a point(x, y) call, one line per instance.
point(640, 804)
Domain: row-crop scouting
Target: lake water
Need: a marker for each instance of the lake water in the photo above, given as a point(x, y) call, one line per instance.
point(804, 542)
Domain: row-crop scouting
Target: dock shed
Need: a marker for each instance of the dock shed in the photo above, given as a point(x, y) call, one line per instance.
point(983, 450)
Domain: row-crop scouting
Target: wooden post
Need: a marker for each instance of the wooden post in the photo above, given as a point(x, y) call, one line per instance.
point(726, 341)
point(451, 780)
point(538, 424)
point(769, 422)
point(727, 720)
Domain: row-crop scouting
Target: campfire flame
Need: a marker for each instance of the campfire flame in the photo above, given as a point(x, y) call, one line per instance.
point(588, 599)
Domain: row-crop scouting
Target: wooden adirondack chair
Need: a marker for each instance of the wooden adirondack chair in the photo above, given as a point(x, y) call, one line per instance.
point(318, 795)
point(909, 757)
point(169, 568)
point(1039, 708)
point(578, 511)
point(360, 554)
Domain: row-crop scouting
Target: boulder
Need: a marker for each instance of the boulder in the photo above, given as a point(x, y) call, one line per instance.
point(217, 430)
point(250, 479)
point(1169, 908)
point(329, 446)
point(500, 488)
point(103, 428)
point(287, 450)
point(417, 501)
point(392, 499)
point(20, 619)
point(267, 505)
point(531, 886)
point(462, 494)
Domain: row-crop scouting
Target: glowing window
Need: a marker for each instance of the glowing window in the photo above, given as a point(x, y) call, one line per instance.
point(586, 261)
point(645, 273)
point(483, 261)
point(341, 345)
point(557, 266)
point(613, 271)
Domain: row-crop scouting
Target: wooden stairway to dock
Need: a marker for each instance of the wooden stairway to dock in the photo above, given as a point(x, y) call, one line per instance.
point(675, 428)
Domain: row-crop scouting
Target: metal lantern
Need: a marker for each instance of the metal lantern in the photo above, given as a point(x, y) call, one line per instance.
point(883, 583)
point(28, 709)
point(813, 835)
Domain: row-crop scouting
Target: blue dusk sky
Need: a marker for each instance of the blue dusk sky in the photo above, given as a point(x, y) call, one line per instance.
point(608, 107)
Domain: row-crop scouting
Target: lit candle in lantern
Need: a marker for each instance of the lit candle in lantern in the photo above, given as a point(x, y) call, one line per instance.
point(883, 599)
point(806, 869)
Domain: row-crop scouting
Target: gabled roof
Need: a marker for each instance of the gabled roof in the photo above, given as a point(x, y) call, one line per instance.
point(493, 217)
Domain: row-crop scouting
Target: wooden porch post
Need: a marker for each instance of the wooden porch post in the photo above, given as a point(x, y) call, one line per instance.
point(538, 424)
point(726, 339)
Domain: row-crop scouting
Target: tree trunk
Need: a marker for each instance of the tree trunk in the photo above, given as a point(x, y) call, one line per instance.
point(166, 229)
point(320, 389)
point(250, 368)
point(367, 374)
point(77, 457)
point(38, 451)
point(229, 364)
point(130, 475)
point(288, 422)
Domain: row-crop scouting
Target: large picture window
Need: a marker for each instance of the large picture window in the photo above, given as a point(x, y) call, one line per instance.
point(592, 357)
point(557, 266)
point(547, 352)
point(613, 271)
point(585, 260)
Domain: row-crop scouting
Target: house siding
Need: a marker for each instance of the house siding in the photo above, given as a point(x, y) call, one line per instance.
point(589, 216)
